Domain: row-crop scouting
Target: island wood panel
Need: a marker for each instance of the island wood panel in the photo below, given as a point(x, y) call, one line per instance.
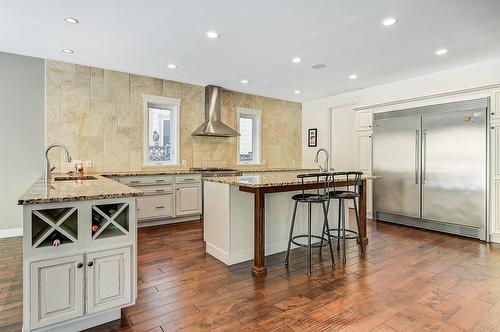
point(259, 266)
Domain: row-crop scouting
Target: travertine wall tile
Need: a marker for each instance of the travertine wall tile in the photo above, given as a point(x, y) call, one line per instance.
point(98, 115)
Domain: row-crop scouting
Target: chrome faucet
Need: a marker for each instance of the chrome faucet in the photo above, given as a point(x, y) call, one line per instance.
point(49, 170)
point(326, 166)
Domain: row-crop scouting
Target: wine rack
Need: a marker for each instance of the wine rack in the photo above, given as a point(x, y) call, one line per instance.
point(114, 220)
point(44, 223)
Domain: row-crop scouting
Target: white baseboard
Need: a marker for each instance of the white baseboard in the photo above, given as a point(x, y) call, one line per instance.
point(11, 232)
point(148, 223)
point(495, 237)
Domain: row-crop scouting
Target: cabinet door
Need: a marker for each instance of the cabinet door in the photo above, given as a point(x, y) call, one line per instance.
point(364, 151)
point(495, 150)
point(188, 199)
point(56, 290)
point(364, 120)
point(108, 279)
point(495, 106)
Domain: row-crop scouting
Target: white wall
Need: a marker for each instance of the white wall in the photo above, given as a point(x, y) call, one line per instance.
point(22, 109)
point(315, 114)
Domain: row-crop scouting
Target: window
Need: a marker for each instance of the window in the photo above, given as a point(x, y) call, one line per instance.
point(249, 141)
point(161, 130)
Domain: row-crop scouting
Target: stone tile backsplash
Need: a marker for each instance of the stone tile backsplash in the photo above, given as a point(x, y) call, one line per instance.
point(98, 115)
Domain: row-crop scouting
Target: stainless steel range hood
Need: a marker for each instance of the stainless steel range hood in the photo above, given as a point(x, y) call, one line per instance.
point(213, 125)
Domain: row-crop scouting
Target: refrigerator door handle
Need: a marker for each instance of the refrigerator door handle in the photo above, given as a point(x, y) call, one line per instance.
point(417, 154)
point(424, 152)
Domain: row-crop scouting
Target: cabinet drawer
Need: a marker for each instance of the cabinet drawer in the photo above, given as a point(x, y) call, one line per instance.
point(188, 178)
point(155, 206)
point(146, 180)
point(155, 190)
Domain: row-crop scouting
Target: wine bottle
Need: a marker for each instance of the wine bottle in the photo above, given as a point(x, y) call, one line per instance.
point(96, 223)
point(56, 239)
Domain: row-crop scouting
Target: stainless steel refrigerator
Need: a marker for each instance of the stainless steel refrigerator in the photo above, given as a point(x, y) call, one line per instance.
point(433, 163)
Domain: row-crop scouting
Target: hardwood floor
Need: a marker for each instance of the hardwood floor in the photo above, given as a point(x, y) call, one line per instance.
point(411, 280)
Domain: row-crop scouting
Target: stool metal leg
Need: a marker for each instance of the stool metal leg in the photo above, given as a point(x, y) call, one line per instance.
point(339, 226)
point(326, 228)
point(343, 232)
point(309, 256)
point(325, 211)
point(359, 233)
point(291, 232)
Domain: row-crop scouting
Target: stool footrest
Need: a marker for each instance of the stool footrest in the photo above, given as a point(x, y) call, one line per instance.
point(313, 245)
point(353, 234)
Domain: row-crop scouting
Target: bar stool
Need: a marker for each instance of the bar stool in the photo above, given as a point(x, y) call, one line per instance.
point(320, 197)
point(352, 180)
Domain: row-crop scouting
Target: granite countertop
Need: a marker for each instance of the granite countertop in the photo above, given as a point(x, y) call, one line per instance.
point(272, 179)
point(178, 171)
point(75, 190)
point(103, 188)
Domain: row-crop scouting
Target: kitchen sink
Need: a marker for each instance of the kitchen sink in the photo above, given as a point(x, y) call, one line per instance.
point(74, 178)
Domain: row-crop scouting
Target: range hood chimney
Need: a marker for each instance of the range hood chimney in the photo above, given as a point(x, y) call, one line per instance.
point(213, 126)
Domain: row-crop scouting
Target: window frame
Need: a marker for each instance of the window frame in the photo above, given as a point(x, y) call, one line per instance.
point(256, 116)
point(174, 105)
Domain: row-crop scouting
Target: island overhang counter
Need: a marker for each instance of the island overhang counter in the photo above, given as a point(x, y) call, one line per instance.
point(237, 207)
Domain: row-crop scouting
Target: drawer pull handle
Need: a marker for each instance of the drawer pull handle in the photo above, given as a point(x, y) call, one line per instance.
point(189, 179)
point(160, 180)
point(160, 207)
point(136, 181)
point(159, 190)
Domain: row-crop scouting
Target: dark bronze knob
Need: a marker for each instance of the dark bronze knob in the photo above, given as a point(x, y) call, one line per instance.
point(79, 265)
point(90, 264)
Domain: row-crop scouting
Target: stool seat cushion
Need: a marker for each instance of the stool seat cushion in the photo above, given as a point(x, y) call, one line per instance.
point(343, 194)
point(313, 198)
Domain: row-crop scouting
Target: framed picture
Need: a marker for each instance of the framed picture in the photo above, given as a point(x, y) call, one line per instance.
point(312, 137)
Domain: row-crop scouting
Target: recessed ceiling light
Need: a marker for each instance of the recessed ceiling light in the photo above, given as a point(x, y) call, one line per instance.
point(318, 66)
point(389, 21)
point(244, 81)
point(67, 50)
point(353, 76)
point(297, 92)
point(441, 51)
point(213, 34)
point(71, 20)
point(296, 60)
point(171, 66)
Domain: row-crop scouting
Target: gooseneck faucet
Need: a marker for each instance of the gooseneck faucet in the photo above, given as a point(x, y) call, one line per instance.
point(326, 166)
point(48, 170)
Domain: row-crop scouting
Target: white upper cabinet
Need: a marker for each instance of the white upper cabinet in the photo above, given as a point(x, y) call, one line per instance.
point(188, 199)
point(56, 290)
point(363, 151)
point(495, 109)
point(108, 279)
point(364, 120)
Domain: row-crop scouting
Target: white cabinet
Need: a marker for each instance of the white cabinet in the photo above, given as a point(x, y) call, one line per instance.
point(108, 279)
point(363, 150)
point(56, 290)
point(495, 150)
point(364, 120)
point(188, 199)
point(495, 109)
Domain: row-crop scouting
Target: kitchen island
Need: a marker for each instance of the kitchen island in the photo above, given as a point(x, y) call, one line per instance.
point(79, 252)
point(235, 228)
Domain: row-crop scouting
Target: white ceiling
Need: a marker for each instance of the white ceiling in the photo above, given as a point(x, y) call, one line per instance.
point(258, 39)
